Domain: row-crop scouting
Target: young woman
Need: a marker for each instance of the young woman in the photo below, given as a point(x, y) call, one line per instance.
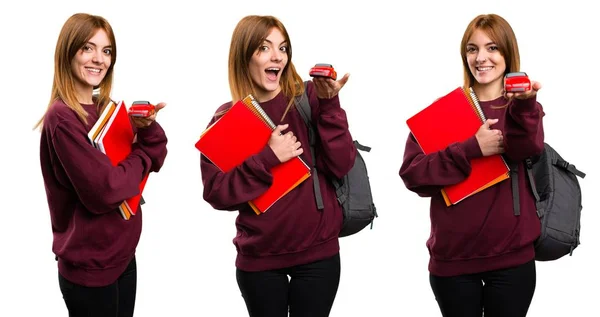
point(482, 254)
point(293, 238)
point(94, 245)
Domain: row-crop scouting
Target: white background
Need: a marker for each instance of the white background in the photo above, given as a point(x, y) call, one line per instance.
point(401, 57)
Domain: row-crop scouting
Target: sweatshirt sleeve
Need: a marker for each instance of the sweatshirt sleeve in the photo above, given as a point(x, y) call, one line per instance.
point(335, 150)
point(100, 186)
point(227, 191)
point(426, 175)
point(524, 131)
point(153, 141)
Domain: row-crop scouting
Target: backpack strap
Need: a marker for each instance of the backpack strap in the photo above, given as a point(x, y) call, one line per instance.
point(569, 167)
point(306, 113)
point(529, 167)
point(514, 182)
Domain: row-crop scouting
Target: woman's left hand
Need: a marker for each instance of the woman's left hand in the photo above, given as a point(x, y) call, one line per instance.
point(147, 121)
point(328, 88)
point(535, 86)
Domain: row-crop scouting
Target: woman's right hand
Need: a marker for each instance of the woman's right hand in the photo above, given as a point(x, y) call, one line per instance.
point(285, 146)
point(490, 140)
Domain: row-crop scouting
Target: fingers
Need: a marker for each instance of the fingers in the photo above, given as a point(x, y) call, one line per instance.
point(280, 128)
point(490, 122)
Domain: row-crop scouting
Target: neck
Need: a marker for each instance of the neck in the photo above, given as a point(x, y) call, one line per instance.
point(84, 94)
point(487, 92)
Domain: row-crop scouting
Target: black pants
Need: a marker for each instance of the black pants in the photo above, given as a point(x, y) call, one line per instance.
point(114, 300)
point(310, 290)
point(500, 293)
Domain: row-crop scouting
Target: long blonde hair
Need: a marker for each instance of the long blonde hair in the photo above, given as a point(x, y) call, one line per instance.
point(250, 32)
point(75, 33)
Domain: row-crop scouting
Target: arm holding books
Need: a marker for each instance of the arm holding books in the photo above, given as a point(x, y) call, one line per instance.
point(335, 150)
point(524, 131)
point(228, 191)
point(426, 175)
point(100, 186)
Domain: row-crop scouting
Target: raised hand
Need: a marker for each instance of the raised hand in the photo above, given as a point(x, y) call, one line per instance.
point(328, 88)
point(490, 140)
point(140, 122)
point(535, 86)
point(284, 145)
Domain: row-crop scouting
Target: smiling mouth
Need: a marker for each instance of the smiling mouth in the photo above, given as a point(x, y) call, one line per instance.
point(93, 70)
point(483, 69)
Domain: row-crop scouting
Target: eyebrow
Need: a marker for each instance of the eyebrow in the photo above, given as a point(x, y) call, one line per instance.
point(284, 42)
point(94, 44)
point(486, 44)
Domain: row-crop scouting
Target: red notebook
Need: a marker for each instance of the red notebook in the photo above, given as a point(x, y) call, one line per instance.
point(455, 118)
point(113, 135)
point(241, 132)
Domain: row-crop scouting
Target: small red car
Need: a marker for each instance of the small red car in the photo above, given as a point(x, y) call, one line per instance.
point(141, 109)
point(516, 82)
point(323, 70)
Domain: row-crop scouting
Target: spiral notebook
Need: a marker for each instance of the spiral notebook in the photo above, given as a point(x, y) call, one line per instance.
point(244, 130)
point(455, 118)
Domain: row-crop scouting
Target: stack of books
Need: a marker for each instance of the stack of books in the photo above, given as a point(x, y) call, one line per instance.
point(113, 135)
point(455, 118)
point(244, 130)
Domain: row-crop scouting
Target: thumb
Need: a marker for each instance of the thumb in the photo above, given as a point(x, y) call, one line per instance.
point(536, 85)
point(344, 80)
point(280, 128)
point(490, 122)
point(159, 106)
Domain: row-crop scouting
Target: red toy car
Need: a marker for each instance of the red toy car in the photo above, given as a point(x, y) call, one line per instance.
point(141, 109)
point(516, 82)
point(323, 70)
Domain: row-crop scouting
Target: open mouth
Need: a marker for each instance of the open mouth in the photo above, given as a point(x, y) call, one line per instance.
point(484, 69)
point(272, 72)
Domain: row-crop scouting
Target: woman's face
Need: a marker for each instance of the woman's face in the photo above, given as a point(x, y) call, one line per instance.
point(485, 62)
point(91, 63)
point(267, 64)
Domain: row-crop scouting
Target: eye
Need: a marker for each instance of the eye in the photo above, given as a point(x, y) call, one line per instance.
point(86, 48)
point(263, 48)
point(493, 48)
point(107, 51)
point(471, 49)
point(284, 49)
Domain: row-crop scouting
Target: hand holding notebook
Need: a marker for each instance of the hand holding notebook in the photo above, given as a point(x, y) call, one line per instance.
point(490, 140)
point(455, 118)
point(244, 130)
point(285, 146)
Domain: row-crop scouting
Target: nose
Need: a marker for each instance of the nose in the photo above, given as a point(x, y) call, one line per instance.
point(97, 57)
point(276, 56)
point(481, 56)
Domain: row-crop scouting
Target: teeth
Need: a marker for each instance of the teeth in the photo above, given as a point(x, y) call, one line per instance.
point(94, 70)
point(482, 69)
point(273, 69)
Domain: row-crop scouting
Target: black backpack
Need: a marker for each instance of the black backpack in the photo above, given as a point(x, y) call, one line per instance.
point(353, 191)
point(558, 203)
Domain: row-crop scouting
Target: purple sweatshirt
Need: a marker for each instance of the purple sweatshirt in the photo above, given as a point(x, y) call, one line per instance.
point(92, 242)
point(293, 231)
point(480, 233)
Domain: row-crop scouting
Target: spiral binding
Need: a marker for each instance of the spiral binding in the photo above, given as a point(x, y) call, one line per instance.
point(476, 104)
point(258, 110)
